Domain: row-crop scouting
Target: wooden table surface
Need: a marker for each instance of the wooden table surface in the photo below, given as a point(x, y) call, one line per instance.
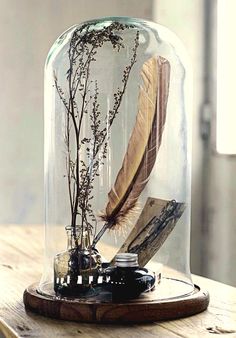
point(21, 264)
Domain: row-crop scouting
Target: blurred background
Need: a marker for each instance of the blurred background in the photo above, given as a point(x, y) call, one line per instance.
point(28, 28)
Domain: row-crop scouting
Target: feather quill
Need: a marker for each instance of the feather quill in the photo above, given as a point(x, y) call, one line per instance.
point(143, 145)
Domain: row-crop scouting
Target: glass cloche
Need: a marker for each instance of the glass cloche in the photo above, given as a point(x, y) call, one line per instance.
point(117, 162)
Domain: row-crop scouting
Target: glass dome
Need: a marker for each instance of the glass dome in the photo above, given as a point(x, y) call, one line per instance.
point(117, 156)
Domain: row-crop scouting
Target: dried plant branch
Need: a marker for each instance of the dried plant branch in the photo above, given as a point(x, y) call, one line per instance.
point(82, 99)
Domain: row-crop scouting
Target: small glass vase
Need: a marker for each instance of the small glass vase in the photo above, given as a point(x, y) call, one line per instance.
point(77, 270)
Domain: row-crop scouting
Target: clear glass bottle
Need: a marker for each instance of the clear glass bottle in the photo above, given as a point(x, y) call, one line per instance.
point(76, 270)
point(117, 153)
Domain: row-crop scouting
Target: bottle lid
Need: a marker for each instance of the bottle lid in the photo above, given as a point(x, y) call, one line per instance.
point(126, 259)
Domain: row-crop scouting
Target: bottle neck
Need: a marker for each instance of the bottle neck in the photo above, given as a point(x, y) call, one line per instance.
point(85, 243)
point(74, 239)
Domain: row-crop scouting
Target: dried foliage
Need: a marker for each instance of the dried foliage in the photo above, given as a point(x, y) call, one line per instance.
point(81, 98)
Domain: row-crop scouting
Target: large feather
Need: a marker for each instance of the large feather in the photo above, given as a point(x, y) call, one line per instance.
point(143, 145)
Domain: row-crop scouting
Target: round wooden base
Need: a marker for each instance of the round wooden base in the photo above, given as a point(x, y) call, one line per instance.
point(144, 309)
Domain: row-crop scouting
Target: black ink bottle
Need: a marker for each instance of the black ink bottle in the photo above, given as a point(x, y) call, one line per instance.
point(126, 280)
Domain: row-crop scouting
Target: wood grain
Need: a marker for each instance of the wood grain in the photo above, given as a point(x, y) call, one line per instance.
point(146, 309)
point(21, 265)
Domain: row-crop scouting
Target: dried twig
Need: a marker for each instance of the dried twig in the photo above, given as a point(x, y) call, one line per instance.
point(81, 173)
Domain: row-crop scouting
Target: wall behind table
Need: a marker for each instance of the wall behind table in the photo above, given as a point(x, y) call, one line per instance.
point(185, 18)
point(28, 28)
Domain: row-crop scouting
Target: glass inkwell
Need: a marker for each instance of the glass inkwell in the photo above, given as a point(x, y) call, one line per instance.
point(77, 269)
point(126, 280)
point(117, 175)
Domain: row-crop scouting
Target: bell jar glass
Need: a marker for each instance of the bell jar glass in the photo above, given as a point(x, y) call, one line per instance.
point(117, 158)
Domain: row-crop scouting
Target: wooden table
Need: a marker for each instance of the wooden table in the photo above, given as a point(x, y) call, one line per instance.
point(21, 264)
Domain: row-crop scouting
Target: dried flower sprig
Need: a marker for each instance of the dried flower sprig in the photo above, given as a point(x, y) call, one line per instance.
point(82, 99)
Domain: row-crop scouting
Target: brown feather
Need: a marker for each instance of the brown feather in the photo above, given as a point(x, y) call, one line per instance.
point(143, 145)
